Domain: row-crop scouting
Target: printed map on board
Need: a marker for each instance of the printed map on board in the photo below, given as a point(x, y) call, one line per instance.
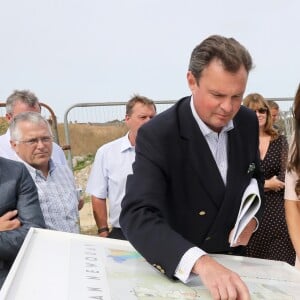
point(131, 277)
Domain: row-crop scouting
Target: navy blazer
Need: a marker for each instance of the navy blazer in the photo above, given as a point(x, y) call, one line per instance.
point(176, 198)
point(17, 191)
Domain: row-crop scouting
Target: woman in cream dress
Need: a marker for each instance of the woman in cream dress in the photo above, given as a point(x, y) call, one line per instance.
point(292, 183)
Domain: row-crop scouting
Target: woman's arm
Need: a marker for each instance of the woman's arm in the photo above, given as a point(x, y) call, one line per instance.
point(292, 214)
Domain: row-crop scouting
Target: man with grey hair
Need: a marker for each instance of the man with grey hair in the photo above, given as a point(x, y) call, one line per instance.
point(193, 163)
point(31, 138)
point(22, 101)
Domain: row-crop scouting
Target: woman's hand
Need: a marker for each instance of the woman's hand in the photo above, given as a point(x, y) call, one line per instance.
point(274, 184)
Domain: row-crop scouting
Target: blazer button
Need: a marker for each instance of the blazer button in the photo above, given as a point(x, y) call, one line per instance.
point(208, 238)
point(202, 213)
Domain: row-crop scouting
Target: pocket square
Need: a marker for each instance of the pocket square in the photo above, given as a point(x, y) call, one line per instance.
point(251, 168)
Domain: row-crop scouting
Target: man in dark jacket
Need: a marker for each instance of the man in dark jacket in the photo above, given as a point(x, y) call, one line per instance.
point(19, 210)
point(193, 163)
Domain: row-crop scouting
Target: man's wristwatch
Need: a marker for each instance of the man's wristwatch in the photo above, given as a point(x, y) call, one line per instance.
point(103, 229)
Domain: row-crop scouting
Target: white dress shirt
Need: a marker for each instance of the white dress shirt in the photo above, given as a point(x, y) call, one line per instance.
point(113, 162)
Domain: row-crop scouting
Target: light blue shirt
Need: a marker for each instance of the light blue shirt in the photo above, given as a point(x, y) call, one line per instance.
point(58, 197)
point(217, 142)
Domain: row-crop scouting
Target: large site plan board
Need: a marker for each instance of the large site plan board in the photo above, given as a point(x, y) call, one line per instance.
point(64, 266)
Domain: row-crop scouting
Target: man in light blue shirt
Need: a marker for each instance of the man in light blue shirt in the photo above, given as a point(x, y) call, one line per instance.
point(31, 138)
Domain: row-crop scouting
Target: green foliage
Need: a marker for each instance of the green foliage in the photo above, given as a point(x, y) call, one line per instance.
point(87, 198)
point(84, 162)
point(3, 125)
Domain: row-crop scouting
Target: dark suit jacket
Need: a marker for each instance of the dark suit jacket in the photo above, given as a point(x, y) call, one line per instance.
point(17, 191)
point(176, 198)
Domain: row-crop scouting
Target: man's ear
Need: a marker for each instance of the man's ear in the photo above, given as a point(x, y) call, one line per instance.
point(13, 144)
point(127, 117)
point(8, 117)
point(192, 82)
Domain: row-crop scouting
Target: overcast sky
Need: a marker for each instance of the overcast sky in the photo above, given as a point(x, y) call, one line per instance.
point(70, 51)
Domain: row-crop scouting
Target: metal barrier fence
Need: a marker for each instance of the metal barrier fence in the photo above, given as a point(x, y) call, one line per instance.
point(99, 113)
point(46, 111)
point(102, 113)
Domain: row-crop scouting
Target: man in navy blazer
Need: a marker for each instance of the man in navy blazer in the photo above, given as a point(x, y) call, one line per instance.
point(193, 163)
point(19, 210)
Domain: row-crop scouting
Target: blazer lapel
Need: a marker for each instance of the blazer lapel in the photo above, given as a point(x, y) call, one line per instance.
point(236, 182)
point(236, 159)
point(200, 157)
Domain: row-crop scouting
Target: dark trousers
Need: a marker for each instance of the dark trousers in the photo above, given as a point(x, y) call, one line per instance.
point(116, 233)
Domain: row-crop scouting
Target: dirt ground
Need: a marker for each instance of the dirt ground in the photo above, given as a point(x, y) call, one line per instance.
point(87, 222)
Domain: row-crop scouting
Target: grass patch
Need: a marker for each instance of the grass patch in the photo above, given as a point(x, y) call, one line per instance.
point(84, 162)
point(87, 138)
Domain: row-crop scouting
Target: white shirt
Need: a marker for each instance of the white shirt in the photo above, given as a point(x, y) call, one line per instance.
point(113, 162)
point(218, 144)
point(7, 151)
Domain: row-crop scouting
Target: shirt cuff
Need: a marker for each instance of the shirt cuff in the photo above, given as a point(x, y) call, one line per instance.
point(184, 268)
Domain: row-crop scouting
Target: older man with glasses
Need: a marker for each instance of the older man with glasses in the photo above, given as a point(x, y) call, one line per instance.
point(31, 138)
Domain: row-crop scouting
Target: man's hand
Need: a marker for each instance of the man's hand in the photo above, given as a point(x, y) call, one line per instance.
point(9, 221)
point(246, 234)
point(221, 282)
point(104, 234)
point(80, 203)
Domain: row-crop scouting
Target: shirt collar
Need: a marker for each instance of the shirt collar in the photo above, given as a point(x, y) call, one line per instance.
point(7, 135)
point(126, 145)
point(36, 172)
point(203, 127)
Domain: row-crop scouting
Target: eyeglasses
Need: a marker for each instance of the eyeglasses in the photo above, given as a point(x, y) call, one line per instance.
point(261, 110)
point(34, 142)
